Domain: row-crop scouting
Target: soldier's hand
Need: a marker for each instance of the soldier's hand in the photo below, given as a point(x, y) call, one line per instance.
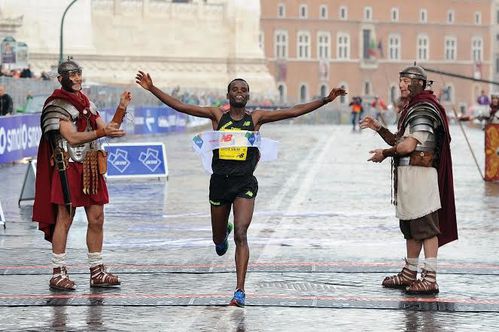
point(377, 156)
point(125, 99)
point(112, 130)
point(335, 93)
point(144, 80)
point(369, 122)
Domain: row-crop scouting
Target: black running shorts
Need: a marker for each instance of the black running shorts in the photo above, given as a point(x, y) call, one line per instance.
point(225, 188)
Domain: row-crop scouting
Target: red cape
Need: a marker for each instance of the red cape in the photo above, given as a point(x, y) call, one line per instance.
point(44, 212)
point(447, 214)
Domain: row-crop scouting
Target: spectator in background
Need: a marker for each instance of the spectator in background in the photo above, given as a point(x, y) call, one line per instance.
point(26, 72)
point(6, 105)
point(357, 110)
point(483, 99)
point(45, 76)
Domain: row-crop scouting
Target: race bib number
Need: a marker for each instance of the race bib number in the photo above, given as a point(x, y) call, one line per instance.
point(239, 153)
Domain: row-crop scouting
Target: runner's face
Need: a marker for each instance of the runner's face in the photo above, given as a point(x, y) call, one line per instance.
point(71, 81)
point(238, 94)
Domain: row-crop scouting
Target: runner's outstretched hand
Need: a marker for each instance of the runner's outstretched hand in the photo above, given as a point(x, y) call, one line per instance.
point(335, 93)
point(144, 80)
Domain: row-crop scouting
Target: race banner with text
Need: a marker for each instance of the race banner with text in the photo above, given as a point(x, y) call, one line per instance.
point(19, 137)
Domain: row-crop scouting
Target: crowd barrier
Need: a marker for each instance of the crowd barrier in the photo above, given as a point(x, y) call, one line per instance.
point(2, 217)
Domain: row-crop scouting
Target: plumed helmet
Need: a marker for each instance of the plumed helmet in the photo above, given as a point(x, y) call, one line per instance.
point(67, 66)
point(414, 72)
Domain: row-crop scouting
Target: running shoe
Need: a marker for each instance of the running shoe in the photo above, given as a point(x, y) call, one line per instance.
point(221, 248)
point(238, 299)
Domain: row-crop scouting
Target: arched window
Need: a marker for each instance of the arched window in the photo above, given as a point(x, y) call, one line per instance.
point(323, 45)
point(281, 10)
point(324, 90)
point(423, 47)
point(343, 13)
point(343, 99)
point(395, 14)
point(282, 93)
point(393, 94)
point(303, 11)
point(394, 47)
point(448, 94)
point(281, 44)
point(343, 46)
point(367, 88)
point(303, 93)
point(303, 45)
point(477, 49)
point(323, 12)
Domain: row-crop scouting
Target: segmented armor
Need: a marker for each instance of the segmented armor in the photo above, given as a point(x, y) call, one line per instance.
point(59, 109)
point(426, 118)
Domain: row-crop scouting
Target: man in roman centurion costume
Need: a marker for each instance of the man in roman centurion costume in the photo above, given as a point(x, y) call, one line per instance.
point(70, 168)
point(423, 182)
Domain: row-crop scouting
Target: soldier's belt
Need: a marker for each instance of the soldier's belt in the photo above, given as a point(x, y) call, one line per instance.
point(417, 158)
point(94, 164)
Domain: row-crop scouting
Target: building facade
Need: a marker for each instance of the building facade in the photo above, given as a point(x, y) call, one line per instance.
point(314, 45)
point(194, 44)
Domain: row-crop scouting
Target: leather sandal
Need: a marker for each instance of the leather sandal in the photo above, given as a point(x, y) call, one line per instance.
point(426, 285)
point(400, 280)
point(99, 277)
point(60, 280)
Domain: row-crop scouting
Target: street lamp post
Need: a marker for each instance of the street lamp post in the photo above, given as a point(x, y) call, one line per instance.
point(61, 55)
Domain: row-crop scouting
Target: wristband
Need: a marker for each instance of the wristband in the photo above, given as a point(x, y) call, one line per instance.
point(119, 115)
point(101, 132)
point(391, 152)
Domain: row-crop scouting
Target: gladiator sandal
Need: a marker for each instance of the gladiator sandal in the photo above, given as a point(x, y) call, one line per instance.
point(426, 285)
point(60, 280)
point(400, 280)
point(99, 277)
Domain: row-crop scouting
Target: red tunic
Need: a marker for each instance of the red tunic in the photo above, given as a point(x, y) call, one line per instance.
point(48, 192)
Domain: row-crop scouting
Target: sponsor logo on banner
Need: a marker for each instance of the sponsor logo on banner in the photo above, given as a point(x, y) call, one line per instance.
point(136, 160)
point(19, 137)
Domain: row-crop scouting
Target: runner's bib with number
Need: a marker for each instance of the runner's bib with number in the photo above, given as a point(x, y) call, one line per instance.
point(234, 144)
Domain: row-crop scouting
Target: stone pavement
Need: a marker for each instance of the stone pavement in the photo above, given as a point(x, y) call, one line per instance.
point(323, 237)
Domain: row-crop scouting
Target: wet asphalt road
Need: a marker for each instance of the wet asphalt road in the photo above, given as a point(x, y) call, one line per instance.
point(322, 238)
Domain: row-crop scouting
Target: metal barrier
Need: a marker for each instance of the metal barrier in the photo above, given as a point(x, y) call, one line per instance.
point(2, 217)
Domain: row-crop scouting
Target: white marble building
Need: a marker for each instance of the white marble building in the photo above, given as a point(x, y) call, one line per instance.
point(202, 44)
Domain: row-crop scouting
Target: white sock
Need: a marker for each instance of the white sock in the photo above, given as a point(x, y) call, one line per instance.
point(412, 263)
point(94, 258)
point(58, 260)
point(430, 264)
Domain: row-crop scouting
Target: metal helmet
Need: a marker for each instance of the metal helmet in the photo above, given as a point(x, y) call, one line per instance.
point(417, 75)
point(67, 66)
point(414, 72)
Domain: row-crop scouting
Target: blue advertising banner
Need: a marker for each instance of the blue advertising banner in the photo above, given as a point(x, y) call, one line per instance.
point(20, 134)
point(19, 137)
point(158, 120)
point(126, 160)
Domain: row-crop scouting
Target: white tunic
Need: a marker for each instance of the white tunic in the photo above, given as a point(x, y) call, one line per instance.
point(417, 187)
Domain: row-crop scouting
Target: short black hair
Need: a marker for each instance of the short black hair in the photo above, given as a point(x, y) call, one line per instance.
point(234, 80)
